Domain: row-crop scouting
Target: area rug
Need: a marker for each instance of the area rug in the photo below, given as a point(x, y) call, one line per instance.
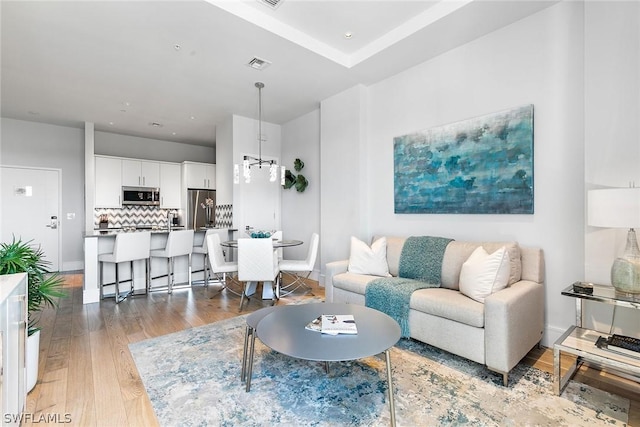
point(193, 379)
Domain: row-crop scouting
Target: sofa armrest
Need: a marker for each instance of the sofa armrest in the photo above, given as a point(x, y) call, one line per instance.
point(331, 269)
point(514, 324)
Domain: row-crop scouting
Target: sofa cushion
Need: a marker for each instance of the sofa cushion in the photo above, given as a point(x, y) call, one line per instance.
point(483, 274)
point(448, 304)
point(352, 282)
point(369, 260)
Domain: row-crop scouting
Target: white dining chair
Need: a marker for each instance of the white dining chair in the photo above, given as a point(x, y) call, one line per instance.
point(219, 266)
point(277, 235)
point(257, 262)
point(128, 247)
point(179, 243)
point(296, 269)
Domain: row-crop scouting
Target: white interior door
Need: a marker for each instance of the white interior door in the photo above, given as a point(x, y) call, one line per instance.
point(31, 209)
point(260, 201)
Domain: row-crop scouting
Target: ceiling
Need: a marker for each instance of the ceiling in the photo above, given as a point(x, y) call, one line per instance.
point(172, 70)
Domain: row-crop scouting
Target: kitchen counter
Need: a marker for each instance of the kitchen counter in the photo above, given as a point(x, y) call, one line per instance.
point(98, 232)
point(101, 241)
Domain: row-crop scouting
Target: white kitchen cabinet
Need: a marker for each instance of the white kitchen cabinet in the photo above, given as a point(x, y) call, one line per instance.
point(139, 173)
point(200, 175)
point(170, 180)
point(13, 332)
point(108, 182)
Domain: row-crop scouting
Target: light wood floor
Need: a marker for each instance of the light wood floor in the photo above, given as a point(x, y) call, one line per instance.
point(87, 372)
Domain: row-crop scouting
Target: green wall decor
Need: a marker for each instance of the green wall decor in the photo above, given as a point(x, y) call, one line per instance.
point(299, 181)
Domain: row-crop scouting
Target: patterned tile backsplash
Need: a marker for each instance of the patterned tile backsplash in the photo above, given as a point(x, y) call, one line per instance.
point(224, 216)
point(128, 216)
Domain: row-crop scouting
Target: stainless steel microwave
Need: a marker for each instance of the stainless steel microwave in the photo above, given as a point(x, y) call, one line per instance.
point(141, 196)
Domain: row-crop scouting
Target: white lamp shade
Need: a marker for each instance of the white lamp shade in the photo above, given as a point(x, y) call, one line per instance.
point(614, 208)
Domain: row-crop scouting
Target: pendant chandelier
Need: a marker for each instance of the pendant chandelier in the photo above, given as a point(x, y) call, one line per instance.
point(250, 161)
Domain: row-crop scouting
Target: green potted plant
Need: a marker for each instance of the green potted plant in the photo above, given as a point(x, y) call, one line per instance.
point(43, 289)
point(298, 181)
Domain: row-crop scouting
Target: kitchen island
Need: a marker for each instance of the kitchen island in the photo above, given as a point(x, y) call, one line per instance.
point(101, 241)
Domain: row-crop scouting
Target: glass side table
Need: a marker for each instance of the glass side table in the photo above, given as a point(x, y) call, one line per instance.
point(581, 342)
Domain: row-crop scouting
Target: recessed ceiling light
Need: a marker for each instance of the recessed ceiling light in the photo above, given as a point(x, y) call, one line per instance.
point(128, 104)
point(173, 133)
point(192, 117)
point(258, 63)
point(177, 46)
point(110, 123)
point(155, 124)
point(348, 35)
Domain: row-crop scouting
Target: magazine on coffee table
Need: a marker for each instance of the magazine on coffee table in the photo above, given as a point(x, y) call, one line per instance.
point(315, 325)
point(333, 324)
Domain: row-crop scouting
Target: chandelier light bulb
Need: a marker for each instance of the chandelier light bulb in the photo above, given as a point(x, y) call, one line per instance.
point(236, 174)
point(283, 171)
point(246, 171)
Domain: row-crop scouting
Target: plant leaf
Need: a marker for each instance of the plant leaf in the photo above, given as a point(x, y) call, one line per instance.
point(289, 179)
point(301, 183)
point(44, 287)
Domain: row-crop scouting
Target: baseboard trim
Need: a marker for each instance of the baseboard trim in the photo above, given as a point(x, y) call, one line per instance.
point(90, 296)
point(72, 265)
point(551, 335)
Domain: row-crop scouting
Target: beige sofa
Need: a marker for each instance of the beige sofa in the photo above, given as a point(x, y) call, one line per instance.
point(498, 333)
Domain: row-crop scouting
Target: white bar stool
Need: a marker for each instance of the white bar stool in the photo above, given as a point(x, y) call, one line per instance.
point(202, 249)
point(128, 247)
point(179, 243)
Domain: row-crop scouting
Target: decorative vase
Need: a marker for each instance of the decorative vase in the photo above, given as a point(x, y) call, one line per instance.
point(32, 359)
point(625, 272)
point(208, 214)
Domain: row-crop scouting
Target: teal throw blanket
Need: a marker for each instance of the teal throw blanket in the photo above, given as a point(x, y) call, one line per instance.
point(421, 258)
point(420, 267)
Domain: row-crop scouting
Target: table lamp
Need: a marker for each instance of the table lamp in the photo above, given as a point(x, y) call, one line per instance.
point(619, 208)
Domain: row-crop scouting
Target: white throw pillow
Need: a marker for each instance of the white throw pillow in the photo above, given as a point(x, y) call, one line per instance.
point(369, 260)
point(483, 274)
point(513, 250)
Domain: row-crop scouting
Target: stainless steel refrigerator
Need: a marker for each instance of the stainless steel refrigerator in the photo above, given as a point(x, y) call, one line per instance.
point(197, 215)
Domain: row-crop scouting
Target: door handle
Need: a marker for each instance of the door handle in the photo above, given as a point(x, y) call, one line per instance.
point(54, 223)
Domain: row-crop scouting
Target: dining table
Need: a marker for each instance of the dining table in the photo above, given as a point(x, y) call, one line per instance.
point(277, 244)
point(267, 292)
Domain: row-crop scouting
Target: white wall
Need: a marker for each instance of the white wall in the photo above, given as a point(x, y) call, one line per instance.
point(301, 211)
point(113, 144)
point(41, 145)
point(224, 165)
point(257, 204)
point(538, 60)
point(612, 136)
point(343, 166)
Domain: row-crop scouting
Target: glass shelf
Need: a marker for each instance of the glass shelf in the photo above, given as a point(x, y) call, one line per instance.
point(607, 295)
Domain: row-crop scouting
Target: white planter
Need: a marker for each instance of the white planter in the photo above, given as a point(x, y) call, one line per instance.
point(32, 356)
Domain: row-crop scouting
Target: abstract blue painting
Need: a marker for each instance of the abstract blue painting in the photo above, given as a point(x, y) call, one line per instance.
point(482, 165)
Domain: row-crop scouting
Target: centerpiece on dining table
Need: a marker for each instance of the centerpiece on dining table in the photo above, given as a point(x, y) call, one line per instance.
point(259, 234)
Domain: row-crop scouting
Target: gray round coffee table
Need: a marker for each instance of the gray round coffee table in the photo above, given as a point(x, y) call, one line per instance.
point(283, 330)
